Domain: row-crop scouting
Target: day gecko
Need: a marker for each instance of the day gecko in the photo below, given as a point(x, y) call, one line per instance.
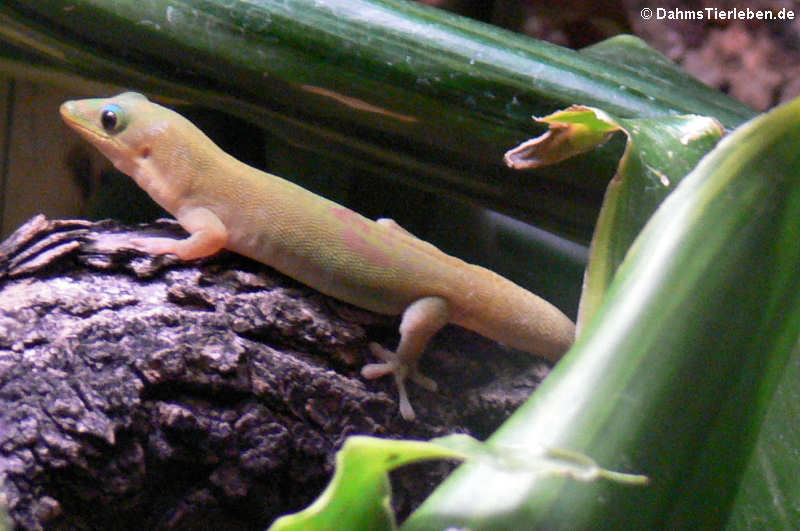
point(376, 265)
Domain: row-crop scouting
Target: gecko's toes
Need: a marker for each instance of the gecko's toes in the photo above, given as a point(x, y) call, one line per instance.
point(390, 365)
point(153, 245)
point(394, 365)
point(401, 371)
point(406, 411)
point(390, 361)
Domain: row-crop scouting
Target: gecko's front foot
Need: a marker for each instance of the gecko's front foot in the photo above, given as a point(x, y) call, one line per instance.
point(154, 245)
point(401, 370)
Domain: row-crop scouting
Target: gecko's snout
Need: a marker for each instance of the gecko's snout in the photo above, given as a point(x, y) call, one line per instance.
point(65, 108)
point(69, 112)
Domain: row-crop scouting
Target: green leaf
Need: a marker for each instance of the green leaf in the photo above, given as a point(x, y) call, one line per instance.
point(673, 376)
point(772, 480)
point(634, 55)
point(358, 496)
point(658, 153)
point(359, 493)
point(393, 87)
point(770, 488)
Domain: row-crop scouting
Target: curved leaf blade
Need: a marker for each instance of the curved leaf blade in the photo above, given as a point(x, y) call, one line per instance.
point(770, 488)
point(358, 495)
point(658, 154)
point(683, 354)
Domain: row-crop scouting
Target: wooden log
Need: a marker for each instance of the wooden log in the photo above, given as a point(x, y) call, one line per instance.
point(142, 392)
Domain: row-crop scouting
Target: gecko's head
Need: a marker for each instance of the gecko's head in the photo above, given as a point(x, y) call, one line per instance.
point(124, 128)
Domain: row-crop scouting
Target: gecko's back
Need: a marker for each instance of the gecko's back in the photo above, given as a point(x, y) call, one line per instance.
point(384, 268)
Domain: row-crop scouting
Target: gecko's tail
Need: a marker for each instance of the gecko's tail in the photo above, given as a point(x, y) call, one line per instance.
point(513, 316)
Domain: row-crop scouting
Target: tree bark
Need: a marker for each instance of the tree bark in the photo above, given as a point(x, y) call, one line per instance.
point(142, 392)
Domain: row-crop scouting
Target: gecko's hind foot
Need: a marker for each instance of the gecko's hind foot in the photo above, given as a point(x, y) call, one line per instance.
point(395, 366)
point(401, 371)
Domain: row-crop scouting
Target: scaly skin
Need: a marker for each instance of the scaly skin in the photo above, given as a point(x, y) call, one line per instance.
point(376, 265)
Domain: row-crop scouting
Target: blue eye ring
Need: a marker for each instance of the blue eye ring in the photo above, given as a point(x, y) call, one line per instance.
point(111, 118)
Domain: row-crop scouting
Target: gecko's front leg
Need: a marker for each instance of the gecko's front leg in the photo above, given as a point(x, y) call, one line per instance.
point(207, 236)
point(421, 320)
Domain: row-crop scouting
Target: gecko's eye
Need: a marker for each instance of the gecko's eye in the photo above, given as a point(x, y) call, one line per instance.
point(111, 119)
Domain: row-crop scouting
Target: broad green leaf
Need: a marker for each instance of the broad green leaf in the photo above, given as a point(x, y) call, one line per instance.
point(672, 377)
point(633, 54)
point(394, 87)
point(769, 490)
point(769, 494)
point(358, 496)
point(658, 154)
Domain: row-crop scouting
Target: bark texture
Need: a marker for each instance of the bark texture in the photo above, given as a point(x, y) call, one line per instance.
point(141, 392)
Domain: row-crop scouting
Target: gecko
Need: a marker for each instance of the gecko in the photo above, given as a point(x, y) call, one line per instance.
point(376, 265)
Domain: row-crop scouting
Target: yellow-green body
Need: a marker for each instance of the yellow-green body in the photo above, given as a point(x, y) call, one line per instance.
point(378, 266)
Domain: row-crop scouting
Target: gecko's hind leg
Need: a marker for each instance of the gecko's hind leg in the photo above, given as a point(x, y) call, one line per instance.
point(421, 320)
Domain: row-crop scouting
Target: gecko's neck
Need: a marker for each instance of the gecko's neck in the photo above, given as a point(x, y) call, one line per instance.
point(170, 174)
point(157, 185)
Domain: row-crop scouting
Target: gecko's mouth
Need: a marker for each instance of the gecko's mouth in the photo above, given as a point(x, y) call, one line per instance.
point(74, 118)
